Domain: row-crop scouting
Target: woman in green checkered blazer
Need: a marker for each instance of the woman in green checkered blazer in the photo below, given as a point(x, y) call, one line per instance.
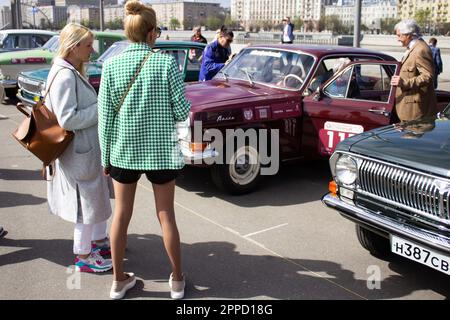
point(139, 136)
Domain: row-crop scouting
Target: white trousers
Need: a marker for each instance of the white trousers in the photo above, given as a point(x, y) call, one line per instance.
point(85, 233)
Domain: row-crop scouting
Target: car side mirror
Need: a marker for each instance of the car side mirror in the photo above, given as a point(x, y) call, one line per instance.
point(318, 95)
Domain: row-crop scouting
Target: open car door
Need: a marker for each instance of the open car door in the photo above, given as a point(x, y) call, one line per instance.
point(357, 99)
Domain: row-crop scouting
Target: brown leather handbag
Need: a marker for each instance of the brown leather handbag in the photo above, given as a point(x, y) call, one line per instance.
point(40, 132)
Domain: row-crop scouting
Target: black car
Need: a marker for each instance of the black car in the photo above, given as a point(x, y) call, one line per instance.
point(394, 183)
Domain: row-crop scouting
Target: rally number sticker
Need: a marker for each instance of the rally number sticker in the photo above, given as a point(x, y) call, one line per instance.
point(334, 132)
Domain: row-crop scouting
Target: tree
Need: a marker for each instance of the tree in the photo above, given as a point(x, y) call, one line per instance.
point(230, 23)
point(387, 25)
point(174, 24)
point(298, 23)
point(214, 23)
point(422, 18)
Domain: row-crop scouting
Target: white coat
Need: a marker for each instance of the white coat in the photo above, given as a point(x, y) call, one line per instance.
point(78, 192)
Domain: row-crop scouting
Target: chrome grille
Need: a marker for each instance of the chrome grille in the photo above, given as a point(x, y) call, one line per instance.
point(417, 192)
point(29, 86)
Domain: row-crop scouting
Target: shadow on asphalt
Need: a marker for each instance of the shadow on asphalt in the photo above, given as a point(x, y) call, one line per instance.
point(20, 174)
point(295, 183)
point(217, 270)
point(14, 199)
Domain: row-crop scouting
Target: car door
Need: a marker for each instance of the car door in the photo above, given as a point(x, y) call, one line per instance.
point(180, 56)
point(354, 100)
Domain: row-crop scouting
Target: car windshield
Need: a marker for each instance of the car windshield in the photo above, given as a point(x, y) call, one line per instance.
point(52, 44)
point(115, 49)
point(283, 69)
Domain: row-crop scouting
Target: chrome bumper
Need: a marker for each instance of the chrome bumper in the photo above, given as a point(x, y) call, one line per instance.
point(198, 158)
point(8, 83)
point(376, 220)
point(25, 100)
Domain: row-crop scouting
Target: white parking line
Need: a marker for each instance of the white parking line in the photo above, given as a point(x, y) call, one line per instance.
point(261, 246)
point(261, 231)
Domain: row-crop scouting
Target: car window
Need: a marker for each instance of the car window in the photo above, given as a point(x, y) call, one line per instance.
point(362, 82)
point(96, 45)
point(52, 44)
point(179, 56)
point(107, 42)
point(194, 59)
point(283, 69)
point(115, 49)
point(38, 41)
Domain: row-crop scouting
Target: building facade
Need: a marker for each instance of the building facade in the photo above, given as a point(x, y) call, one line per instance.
point(82, 3)
point(439, 10)
point(249, 12)
point(188, 13)
point(5, 17)
point(111, 13)
point(371, 12)
point(79, 14)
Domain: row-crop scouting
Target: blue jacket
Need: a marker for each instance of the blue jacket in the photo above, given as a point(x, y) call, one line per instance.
point(214, 58)
point(437, 59)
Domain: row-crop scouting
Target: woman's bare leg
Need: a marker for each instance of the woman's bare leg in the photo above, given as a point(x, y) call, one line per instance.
point(164, 200)
point(123, 211)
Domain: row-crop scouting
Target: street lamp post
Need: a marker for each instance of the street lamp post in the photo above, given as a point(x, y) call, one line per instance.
point(33, 8)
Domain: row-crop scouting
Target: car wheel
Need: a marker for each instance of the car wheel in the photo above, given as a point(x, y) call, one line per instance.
point(241, 173)
point(374, 243)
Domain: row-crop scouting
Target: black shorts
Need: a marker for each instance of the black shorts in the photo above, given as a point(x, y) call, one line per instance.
point(132, 176)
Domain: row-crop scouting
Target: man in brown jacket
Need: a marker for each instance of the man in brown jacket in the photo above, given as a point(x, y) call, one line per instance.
point(415, 95)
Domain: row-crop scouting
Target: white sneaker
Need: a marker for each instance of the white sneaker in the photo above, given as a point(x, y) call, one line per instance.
point(177, 287)
point(119, 288)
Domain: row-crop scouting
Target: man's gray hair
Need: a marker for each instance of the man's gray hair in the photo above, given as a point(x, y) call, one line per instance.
point(408, 27)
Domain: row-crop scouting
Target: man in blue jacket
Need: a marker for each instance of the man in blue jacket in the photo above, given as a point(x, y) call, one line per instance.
point(436, 58)
point(216, 54)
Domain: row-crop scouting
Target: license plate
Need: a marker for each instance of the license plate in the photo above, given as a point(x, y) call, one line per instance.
point(420, 254)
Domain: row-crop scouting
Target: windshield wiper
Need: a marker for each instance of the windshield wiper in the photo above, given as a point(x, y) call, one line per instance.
point(249, 77)
point(225, 75)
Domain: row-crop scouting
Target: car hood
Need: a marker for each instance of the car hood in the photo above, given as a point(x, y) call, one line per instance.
point(92, 70)
point(5, 57)
point(423, 145)
point(217, 92)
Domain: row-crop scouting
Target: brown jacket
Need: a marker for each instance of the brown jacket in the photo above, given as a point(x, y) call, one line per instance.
point(415, 96)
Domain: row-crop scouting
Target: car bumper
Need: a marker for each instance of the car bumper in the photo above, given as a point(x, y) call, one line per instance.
point(8, 83)
point(388, 225)
point(25, 100)
point(199, 158)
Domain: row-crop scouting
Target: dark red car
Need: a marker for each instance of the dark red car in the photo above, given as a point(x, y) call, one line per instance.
point(300, 100)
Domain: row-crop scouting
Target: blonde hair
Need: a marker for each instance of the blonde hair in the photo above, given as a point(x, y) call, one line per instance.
point(71, 35)
point(139, 20)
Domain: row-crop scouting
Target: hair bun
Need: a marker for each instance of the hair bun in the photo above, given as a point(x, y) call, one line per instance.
point(133, 7)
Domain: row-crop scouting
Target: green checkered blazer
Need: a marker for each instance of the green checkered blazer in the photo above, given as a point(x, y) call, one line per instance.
point(142, 136)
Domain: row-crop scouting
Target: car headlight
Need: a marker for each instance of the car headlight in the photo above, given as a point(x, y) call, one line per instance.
point(346, 170)
point(184, 130)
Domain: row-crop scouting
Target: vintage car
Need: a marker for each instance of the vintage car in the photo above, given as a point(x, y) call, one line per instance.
point(186, 53)
point(394, 183)
point(290, 90)
point(11, 63)
point(23, 39)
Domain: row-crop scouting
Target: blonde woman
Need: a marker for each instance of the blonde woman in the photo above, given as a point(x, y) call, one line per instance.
point(78, 191)
point(140, 138)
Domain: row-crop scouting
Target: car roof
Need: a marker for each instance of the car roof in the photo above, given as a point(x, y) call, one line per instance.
point(26, 31)
point(109, 34)
point(322, 50)
point(169, 43)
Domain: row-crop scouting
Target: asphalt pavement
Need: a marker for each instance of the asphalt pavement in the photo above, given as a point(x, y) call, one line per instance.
point(279, 242)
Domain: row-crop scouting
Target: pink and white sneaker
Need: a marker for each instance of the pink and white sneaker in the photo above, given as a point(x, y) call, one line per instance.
point(94, 263)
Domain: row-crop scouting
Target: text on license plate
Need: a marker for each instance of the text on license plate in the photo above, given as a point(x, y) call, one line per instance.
point(420, 254)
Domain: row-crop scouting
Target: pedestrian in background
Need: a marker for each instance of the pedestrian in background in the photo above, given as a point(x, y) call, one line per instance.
point(138, 136)
point(216, 54)
point(436, 52)
point(78, 191)
point(415, 96)
point(288, 31)
point(197, 36)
